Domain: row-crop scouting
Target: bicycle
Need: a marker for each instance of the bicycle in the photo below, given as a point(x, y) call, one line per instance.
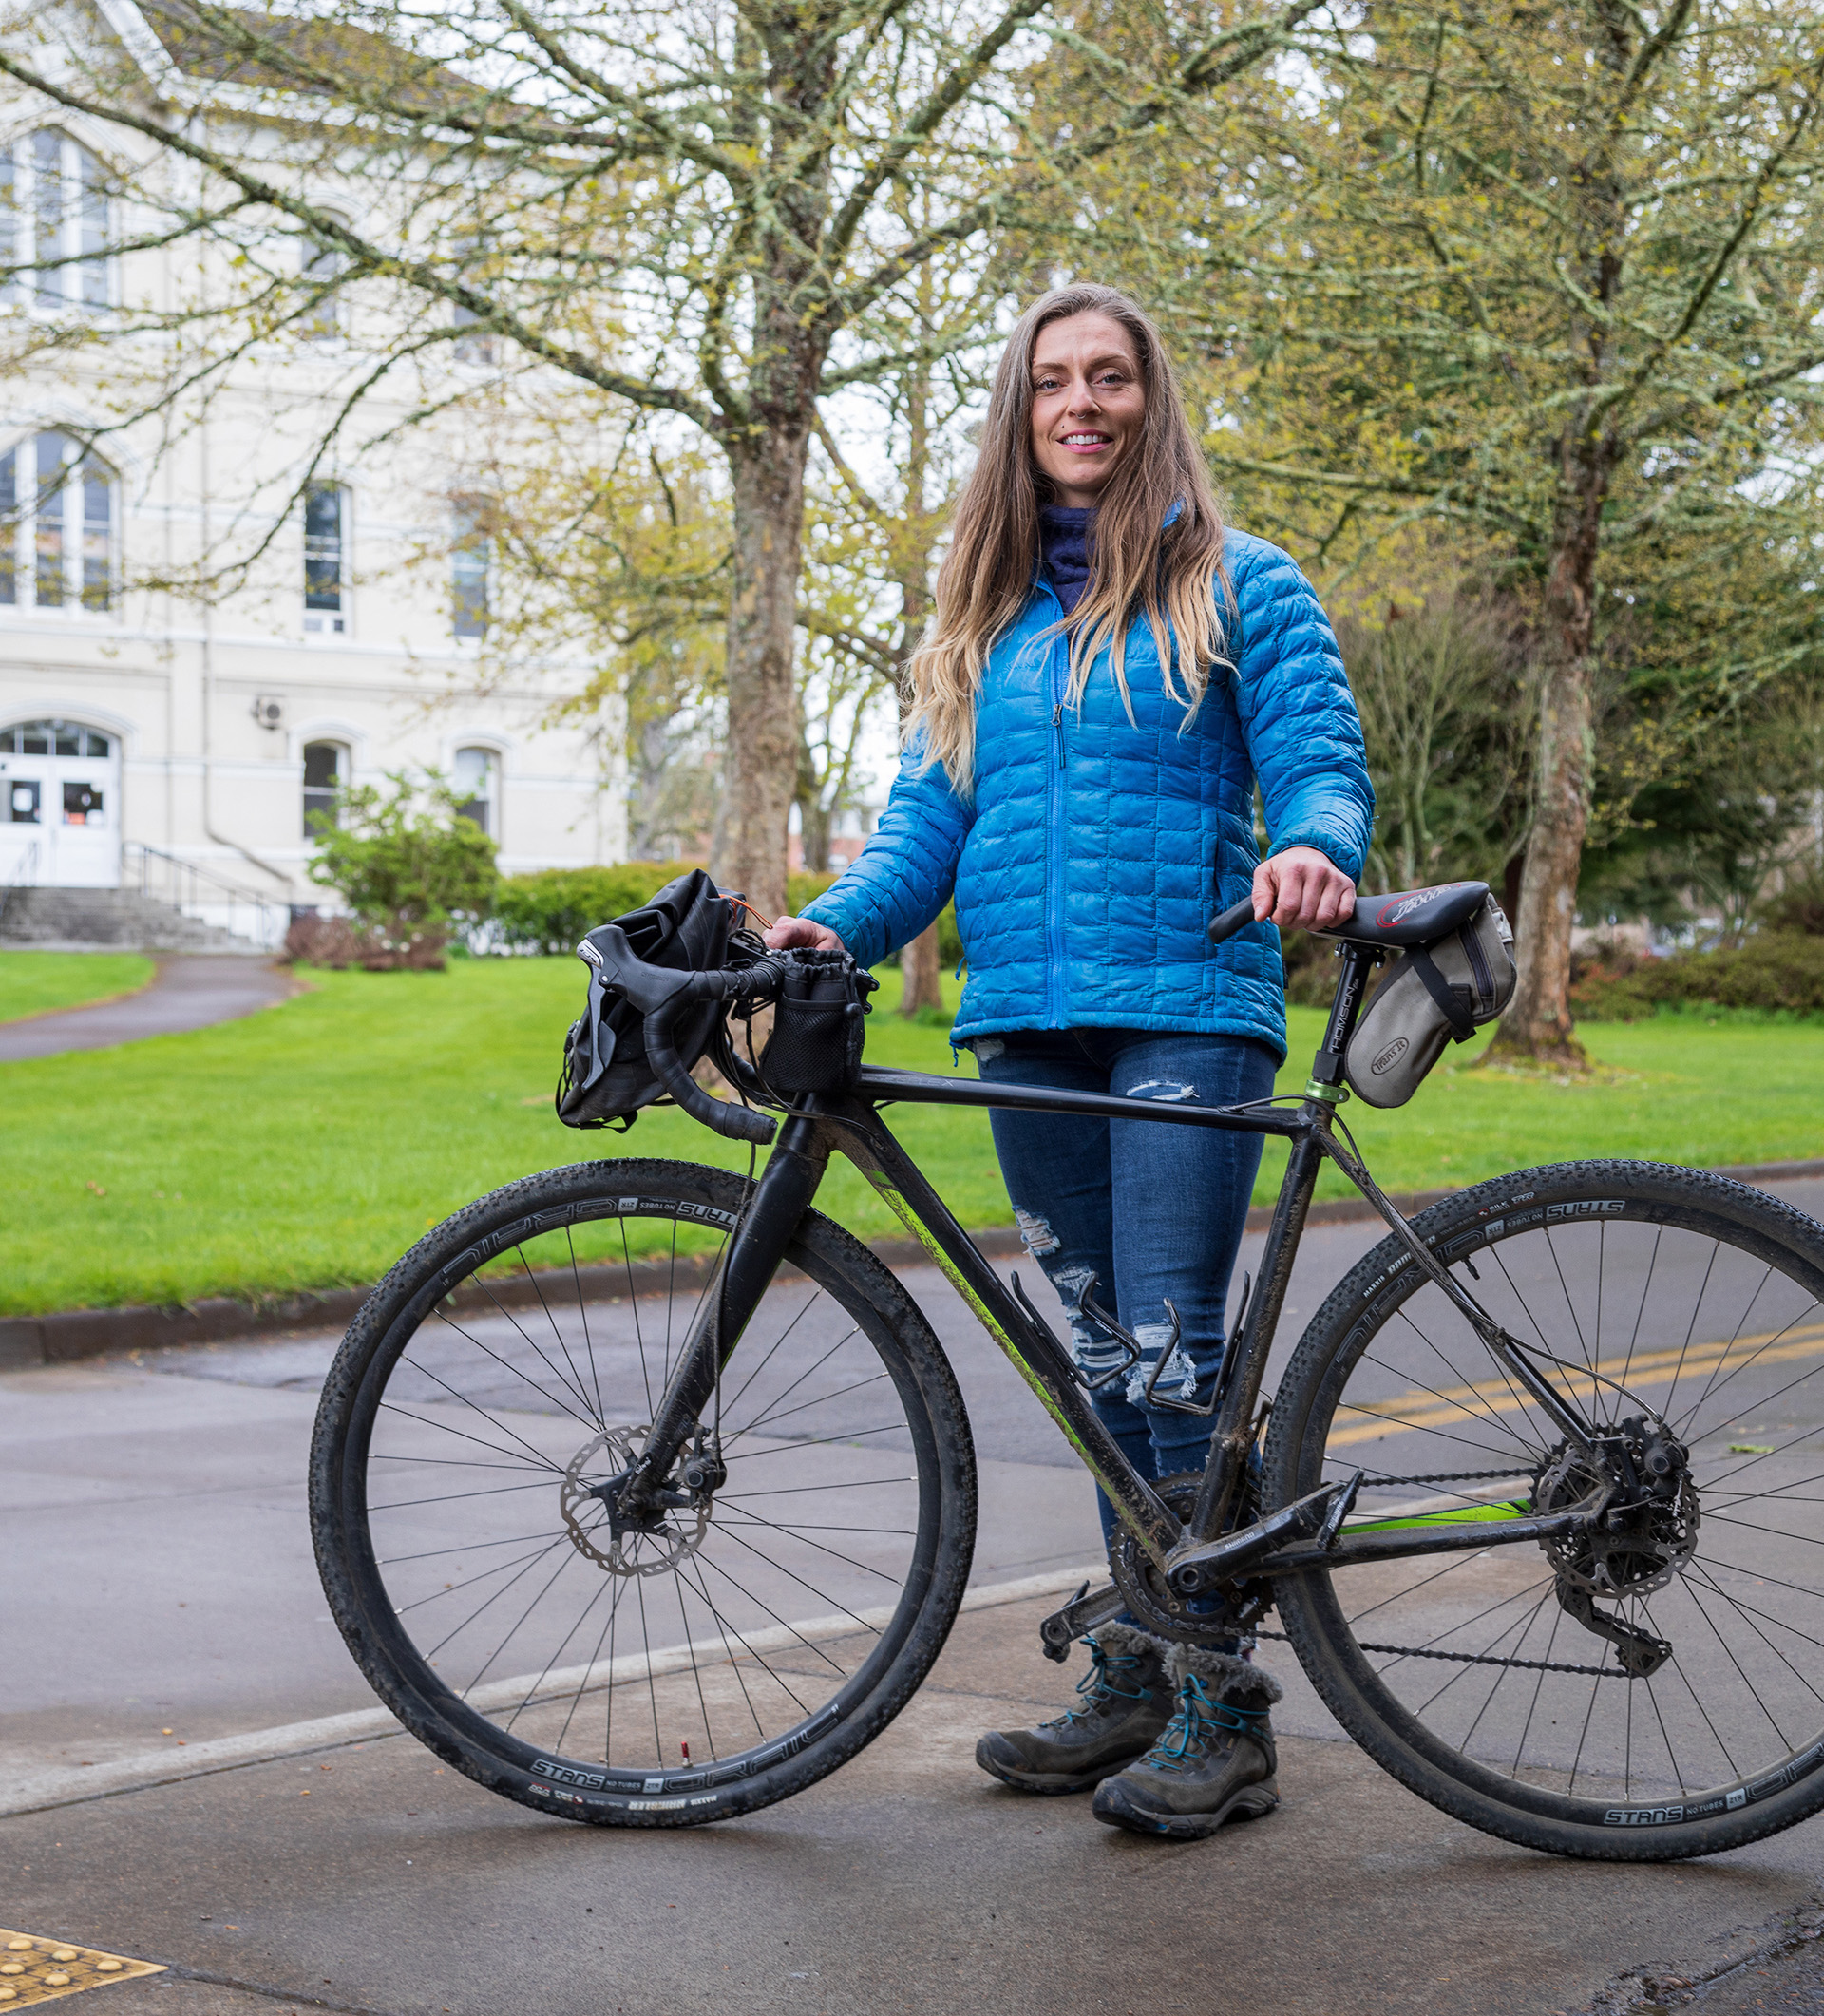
point(1573, 1616)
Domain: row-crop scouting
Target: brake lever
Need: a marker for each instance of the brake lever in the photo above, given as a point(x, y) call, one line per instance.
point(648, 988)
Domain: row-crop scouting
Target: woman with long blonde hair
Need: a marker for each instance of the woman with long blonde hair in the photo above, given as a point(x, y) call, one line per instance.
point(1108, 677)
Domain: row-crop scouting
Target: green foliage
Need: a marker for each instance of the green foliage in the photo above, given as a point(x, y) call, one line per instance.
point(548, 912)
point(1774, 971)
point(1798, 907)
point(405, 860)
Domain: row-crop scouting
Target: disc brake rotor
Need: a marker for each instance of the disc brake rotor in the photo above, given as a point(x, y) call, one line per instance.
point(679, 1534)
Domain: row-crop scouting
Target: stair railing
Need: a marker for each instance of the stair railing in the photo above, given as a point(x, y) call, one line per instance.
point(24, 877)
point(200, 893)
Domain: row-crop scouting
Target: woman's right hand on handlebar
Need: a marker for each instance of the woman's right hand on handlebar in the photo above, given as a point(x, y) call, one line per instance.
point(800, 931)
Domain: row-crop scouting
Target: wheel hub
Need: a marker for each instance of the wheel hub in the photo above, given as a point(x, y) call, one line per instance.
point(651, 1547)
point(1648, 1532)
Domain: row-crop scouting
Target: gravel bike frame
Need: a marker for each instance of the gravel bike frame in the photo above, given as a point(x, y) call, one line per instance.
point(1195, 1553)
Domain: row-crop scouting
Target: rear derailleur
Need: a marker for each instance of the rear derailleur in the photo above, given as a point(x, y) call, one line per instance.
point(1645, 1534)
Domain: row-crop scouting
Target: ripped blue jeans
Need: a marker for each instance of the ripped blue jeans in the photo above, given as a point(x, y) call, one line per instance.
point(1154, 1213)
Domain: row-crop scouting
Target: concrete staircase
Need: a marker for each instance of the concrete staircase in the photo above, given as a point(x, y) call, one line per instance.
point(106, 919)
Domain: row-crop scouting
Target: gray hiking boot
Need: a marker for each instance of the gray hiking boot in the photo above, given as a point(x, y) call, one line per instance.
point(1215, 1762)
point(1126, 1702)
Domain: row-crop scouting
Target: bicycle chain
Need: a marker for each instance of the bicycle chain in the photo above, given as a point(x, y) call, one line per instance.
point(1470, 1659)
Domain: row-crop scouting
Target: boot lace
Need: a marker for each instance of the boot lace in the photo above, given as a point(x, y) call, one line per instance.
point(1199, 1723)
point(1100, 1686)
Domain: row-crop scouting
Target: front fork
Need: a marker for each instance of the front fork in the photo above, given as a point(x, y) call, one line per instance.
point(748, 1262)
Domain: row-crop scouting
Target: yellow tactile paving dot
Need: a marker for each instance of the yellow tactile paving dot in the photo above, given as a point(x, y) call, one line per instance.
point(34, 1971)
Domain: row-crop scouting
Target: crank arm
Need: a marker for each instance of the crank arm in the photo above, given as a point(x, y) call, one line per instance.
point(1204, 1564)
point(1088, 1608)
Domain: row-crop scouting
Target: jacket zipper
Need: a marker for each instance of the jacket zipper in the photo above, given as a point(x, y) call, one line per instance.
point(1054, 857)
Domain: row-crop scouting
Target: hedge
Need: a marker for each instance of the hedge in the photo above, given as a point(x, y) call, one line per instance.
point(1774, 970)
point(548, 912)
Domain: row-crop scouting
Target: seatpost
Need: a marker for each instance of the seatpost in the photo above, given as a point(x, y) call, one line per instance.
point(1326, 1082)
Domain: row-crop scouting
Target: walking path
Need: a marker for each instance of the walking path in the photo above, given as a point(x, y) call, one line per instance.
point(193, 992)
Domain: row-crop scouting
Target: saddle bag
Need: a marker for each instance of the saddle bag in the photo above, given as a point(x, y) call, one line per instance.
point(605, 1075)
point(1432, 995)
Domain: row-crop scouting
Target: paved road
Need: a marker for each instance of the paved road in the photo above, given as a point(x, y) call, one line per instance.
point(191, 991)
point(160, 1597)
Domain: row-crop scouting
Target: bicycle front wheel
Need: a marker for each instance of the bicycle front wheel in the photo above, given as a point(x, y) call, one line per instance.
point(757, 1639)
point(1648, 1692)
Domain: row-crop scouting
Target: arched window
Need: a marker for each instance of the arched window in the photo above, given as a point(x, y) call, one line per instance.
point(326, 769)
point(469, 565)
point(476, 769)
point(53, 207)
point(58, 513)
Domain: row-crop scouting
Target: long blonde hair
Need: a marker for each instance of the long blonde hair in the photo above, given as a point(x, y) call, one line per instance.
point(1169, 573)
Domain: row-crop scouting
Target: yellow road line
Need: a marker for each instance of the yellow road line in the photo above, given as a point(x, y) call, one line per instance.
point(1459, 1405)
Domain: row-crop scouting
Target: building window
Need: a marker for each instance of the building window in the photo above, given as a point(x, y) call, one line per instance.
point(326, 769)
point(479, 346)
point(322, 268)
point(54, 738)
point(57, 525)
point(475, 772)
point(53, 215)
point(326, 521)
point(468, 564)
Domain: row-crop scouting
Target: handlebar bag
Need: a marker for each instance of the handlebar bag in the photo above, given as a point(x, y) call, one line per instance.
point(606, 1074)
point(1431, 996)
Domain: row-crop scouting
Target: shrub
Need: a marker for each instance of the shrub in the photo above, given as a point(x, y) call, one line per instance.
point(1798, 907)
point(408, 865)
point(1774, 970)
point(550, 911)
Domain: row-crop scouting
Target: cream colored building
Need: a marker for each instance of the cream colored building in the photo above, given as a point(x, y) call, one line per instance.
point(152, 739)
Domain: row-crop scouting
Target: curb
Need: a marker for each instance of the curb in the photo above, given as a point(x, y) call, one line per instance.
point(66, 1335)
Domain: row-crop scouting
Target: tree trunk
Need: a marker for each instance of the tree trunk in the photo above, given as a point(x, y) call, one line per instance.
point(1537, 1025)
point(761, 764)
point(922, 972)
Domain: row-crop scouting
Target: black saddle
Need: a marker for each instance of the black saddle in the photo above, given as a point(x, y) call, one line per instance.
point(1413, 917)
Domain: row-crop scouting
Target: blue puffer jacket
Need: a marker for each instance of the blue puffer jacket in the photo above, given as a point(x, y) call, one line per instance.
point(1095, 850)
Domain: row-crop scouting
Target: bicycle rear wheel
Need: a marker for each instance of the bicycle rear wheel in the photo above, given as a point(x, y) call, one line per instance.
point(1652, 1693)
point(755, 1641)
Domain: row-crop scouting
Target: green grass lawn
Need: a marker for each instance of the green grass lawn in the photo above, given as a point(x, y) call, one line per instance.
point(35, 982)
point(308, 1145)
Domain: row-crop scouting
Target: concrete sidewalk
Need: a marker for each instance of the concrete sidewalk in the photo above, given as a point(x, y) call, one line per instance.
point(372, 1879)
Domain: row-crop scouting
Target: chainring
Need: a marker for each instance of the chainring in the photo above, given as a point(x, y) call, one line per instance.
point(1154, 1606)
point(586, 1517)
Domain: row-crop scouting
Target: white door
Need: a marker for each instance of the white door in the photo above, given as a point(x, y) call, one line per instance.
point(60, 806)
